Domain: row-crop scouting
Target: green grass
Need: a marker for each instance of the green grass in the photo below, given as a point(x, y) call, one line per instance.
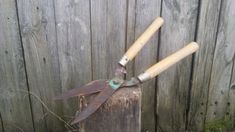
point(218, 125)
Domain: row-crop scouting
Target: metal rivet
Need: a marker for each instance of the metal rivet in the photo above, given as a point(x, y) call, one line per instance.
point(115, 82)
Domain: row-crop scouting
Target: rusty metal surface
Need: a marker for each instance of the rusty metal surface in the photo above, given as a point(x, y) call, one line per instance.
point(132, 82)
point(104, 95)
point(106, 89)
point(92, 87)
point(120, 71)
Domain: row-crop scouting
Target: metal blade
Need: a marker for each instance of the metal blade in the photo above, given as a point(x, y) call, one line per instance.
point(134, 81)
point(120, 71)
point(95, 104)
point(92, 87)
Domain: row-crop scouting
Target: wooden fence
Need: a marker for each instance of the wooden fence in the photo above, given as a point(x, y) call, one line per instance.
point(50, 46)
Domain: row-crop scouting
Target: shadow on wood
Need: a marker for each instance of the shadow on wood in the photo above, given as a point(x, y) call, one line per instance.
point(121, 113)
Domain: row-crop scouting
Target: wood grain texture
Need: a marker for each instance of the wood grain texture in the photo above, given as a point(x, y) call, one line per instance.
point(74, 47)
point(146, 12)
point(231, 99)
point(108, 26)
point(173, 85)
point(222, 69)
point(121, 113)
point(14, 100)
point(130, 33)
point(68, 43)
point(206, 38)
point(1, 124)
point(37, 24)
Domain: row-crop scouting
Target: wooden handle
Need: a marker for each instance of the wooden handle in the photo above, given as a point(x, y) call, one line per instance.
point(168, 61)
point(141, 41)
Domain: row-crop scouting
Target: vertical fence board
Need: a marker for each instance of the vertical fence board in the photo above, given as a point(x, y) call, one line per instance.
point(231, 100)
point(14, 100)
point(146, 12)
point(74, 47)
point(1, 124)
point(98, 33)
point(116, 33)
point(206, 37)
point(68, 43)
point(222, 65)
point(130, 33)
point(108, 27)
point(173, 84)
point(39, 41)
point(108, 19)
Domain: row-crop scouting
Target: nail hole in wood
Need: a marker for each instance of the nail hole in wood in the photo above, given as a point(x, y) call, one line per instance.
point(227, 113)
point(201, 113)
point(37, 8)
point(214, 113)
point(228, 103)
point(202, 104)
point(6, 52)
point(216, 102)
point(222, 92)
point(44, 60)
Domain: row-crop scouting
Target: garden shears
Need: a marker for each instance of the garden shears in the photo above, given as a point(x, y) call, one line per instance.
point(106, 88)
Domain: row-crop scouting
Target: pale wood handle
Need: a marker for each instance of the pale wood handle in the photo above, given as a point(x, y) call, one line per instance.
point(169, 61)
point(141, 41)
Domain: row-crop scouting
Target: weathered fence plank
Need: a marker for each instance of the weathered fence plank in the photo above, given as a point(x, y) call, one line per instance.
point(37, 24)
point(108, 26)
point(206, 37)
point(231, 99)
point(116, 33)
point(14, 100)
point(121, 113)
point(1, 124)
point(173, 85)
point(68, 43)
point(130, 33)
point(222, 65)
point(74, 47)
point(146, 12)
point(98, 33)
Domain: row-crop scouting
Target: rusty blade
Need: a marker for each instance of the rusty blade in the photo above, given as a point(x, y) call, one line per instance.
point(95, 104)
point(92, 87)
point(132, 82)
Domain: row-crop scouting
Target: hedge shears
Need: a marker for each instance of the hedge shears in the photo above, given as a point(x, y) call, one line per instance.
point(106, 88)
